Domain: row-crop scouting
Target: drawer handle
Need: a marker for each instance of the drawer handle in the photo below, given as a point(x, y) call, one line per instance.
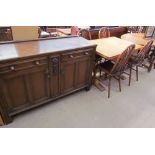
point(71, 56)
point(86, 53)
point(37, 62)
point(12, 68)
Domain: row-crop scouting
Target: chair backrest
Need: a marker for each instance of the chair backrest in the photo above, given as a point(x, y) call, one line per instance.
point(137, 29)
point(104, 33)
point(139, 59)
point(122, 60)
point(133, 29)
point(85, 34)
point(74, 30)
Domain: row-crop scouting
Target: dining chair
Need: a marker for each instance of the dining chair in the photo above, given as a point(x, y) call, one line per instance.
point(137, 29)
point(138, 59)
point(85, 34)
point(104, 33)
point(74, 30)
point(116, 69)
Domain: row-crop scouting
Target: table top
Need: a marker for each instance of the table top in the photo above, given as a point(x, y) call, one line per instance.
point(137, 38)
point(66, 31)
point(31, 48)
point(111, 47)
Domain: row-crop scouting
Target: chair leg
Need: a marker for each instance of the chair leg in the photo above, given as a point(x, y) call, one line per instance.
point(130, 74)
point(119, 80)
point(109, 86)
point(100, 72)
point(137, 73)
point(151, 64)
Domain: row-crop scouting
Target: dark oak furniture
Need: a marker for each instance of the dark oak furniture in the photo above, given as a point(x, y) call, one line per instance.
point(33, 73)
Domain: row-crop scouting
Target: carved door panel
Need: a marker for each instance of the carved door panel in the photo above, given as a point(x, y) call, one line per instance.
point(68, 76)
point(14, 91)
point(38, 84)
point(83, 71)
point(24, 84)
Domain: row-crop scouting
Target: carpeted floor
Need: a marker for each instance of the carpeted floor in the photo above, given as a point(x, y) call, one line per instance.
point(133, 107)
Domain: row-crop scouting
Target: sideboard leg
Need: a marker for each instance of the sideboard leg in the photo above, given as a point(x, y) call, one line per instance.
point(87, 88)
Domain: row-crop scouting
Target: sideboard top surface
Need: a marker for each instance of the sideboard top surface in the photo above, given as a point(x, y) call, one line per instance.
point(32, 48)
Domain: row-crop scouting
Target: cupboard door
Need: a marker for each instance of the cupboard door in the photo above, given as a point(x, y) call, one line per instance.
point(38, 84)
point(25, 84)
point(83, 72)
point(68, 76)
point(15, 91)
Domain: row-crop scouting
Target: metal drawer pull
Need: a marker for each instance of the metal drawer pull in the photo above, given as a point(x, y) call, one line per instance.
point(37, 62)
point(12, 68)
point(71, 56)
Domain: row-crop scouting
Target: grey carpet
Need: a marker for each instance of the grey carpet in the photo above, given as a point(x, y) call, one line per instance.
point(133, 107)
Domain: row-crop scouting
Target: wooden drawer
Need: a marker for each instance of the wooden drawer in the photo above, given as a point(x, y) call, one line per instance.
point(23, 64)
point(76, 54)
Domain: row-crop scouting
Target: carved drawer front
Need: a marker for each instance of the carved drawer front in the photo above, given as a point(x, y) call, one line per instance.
point(76, 54)
point(23, 64)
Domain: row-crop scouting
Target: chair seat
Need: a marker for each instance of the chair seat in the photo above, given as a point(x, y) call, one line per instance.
point(107, 66)
point(133, 60)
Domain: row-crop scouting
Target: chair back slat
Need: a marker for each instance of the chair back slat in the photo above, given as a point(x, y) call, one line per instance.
point(85, 34)
point(122, 60)
point(142, 54)
point(74, 30)
point(104, 33)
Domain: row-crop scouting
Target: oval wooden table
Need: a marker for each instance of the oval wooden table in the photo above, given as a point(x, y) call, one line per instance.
point(139, 38)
